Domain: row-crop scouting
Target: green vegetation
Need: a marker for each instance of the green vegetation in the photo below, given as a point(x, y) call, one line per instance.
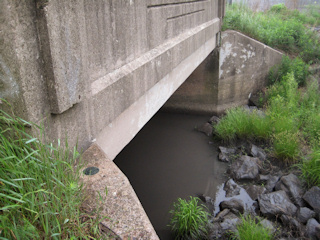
point(241, 123)
point(189, 219)
point(249, 229)
point(280, 28)
point(292, 116)
point(291, 122)
point(40, 195)
point(297, 66)
point(310, 169)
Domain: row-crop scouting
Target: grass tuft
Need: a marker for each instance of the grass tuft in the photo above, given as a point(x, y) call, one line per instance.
point(249, 229)
point(189, 219)
point(40, 194)
point(310, 169)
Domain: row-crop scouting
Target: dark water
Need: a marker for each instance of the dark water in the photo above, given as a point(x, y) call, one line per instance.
point(168, 159)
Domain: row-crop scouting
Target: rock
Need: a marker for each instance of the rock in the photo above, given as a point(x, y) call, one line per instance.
point(258, 152)
point(230, 222)
point(276, 203)
point(271, 181)
point(208, 202)
point(268, 224)
point(245, 168)
point(232, 189)
point(205, 128)
point(293, 187)
point(215, 231)
point(318, 231)
point(290, 222)
point(312, 197)
point(225, 153)
point(220, 216)
point(235, 205)
point(304, 214)
point(254, 191)
point(312, 229)
point(214, 120)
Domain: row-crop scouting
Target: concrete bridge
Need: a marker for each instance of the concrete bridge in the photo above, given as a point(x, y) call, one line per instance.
point(99, 70)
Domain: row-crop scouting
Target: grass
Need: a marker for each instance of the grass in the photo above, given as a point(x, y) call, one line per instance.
point(292, 119)
point(241, 123)
point(279, 27)
point(40, 194)
point(250, 229)
point(189, 219)
point(310, 169)
point(296, 66)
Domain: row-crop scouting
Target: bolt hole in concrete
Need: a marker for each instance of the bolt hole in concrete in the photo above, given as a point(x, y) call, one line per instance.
point(91, 171)
point(168, 160)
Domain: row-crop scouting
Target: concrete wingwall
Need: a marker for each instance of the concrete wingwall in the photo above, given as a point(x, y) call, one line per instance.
point(98, 70)
point(227, 78)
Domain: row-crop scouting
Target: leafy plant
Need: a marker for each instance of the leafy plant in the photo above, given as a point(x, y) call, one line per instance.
point(189, 219)
point(250, 229)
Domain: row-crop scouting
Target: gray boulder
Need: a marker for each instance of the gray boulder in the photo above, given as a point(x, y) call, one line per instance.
point(293, 187)
point(258, 152)
point(312, 229)
point(312, 197)
point(205, 128)
point(304, 214)
point(290, 222)
point(235, 205)
point(269, 225)
point(254, 191)
point(276, 203)
point(270, 180)
point(220, 216)
point(230, 222)
point(245, 168)
point(225, 153)
point(214, 120)
point(232, 189)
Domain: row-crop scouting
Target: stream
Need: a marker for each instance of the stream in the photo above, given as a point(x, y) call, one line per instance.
point(168, 160)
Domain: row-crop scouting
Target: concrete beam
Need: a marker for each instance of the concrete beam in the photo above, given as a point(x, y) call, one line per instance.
point(119, 133)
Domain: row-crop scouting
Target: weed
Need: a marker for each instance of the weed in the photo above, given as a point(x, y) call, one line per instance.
point(296, 66)
point(310, 169)
point(249, 229)
point(189, 219)
point(39, 188)
point(280, 28)
point(286, 145)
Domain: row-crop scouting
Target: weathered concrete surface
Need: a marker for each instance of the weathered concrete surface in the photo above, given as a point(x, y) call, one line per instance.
point(199, 93)
point(124, 212)
point(78, 67)
point(244, 64)
point(227, 77)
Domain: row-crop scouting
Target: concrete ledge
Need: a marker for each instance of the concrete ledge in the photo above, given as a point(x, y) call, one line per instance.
point(124, 212)
point(113, 138)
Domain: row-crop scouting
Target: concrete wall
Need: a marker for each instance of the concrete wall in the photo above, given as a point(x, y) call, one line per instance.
point(98, 70)
point(243, 68)
point(227, 77)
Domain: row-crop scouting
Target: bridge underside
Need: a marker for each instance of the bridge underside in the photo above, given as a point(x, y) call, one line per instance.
point(100, 71)
point(122, 129)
